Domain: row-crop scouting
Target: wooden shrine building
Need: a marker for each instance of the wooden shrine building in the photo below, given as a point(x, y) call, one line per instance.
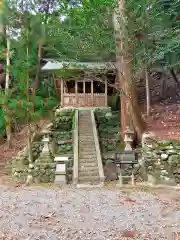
point(83, 91)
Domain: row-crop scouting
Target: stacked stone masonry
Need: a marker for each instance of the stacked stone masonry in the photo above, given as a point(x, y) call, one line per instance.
point(61, 143)
point(162, 161)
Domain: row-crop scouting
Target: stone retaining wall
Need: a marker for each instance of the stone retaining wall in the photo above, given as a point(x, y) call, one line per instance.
point(108, 125)
point(161, 160)
point(63, 135)
point(63, 127)
point(61, 143)
point(20, 164)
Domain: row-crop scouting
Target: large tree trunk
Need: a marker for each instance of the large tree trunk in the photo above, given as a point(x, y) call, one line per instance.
point(134, 115)
point(119, 81)
point(129, 98)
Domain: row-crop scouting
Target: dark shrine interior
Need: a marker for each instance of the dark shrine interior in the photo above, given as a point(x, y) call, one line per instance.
point(98, 86)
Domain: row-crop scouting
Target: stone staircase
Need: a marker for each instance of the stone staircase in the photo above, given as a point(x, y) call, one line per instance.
point(88, 165)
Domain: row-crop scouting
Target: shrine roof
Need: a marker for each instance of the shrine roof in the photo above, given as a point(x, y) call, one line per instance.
point(58, 65)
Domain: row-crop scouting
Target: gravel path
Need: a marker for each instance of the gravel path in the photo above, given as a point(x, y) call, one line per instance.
point(87, 214)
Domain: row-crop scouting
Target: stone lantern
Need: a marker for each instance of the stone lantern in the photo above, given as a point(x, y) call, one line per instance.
point(45, 149)
point(128, 139)
point(127, 158)
point(46, 141)
point(44, 165)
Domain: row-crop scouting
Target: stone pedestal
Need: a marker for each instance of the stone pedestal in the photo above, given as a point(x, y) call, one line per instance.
point(61, 170)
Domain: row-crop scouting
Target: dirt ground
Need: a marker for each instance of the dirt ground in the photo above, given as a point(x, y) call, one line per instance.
point(67, 213)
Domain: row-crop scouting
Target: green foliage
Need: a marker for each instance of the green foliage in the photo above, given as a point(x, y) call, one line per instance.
point(86, 34)
point(153, 28)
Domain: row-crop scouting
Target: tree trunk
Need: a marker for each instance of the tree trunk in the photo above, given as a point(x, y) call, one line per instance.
point(175, 77)
point(7, 66)
point(135, 119)
point(28, 111)
point(36, 81)
point(133, 114)
point(8, 124)
point(119, 80)
point(30, 155)
point(148, 104)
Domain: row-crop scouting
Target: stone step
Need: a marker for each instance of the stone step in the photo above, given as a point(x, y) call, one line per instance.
point(88, 168)
point(84, 118)
point(85, 113)
point(86, 130)
point(87, 124)
point(87, 152)
point(87, 147)
point(90, 179)
point(87, 158)
point(88, 155)
point(84, 161)
point(88, 115)
point(86, 137)
point(88, 174)
point(84, 147)
point(89, 164)
point(88, 142)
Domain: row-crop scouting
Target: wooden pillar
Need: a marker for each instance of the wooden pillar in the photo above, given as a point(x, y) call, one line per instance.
point(76, 92)
point(62, 92)
point(92, 93)
point(106, 87)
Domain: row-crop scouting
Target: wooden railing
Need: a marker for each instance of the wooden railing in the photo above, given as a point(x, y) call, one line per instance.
point(87, 99)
